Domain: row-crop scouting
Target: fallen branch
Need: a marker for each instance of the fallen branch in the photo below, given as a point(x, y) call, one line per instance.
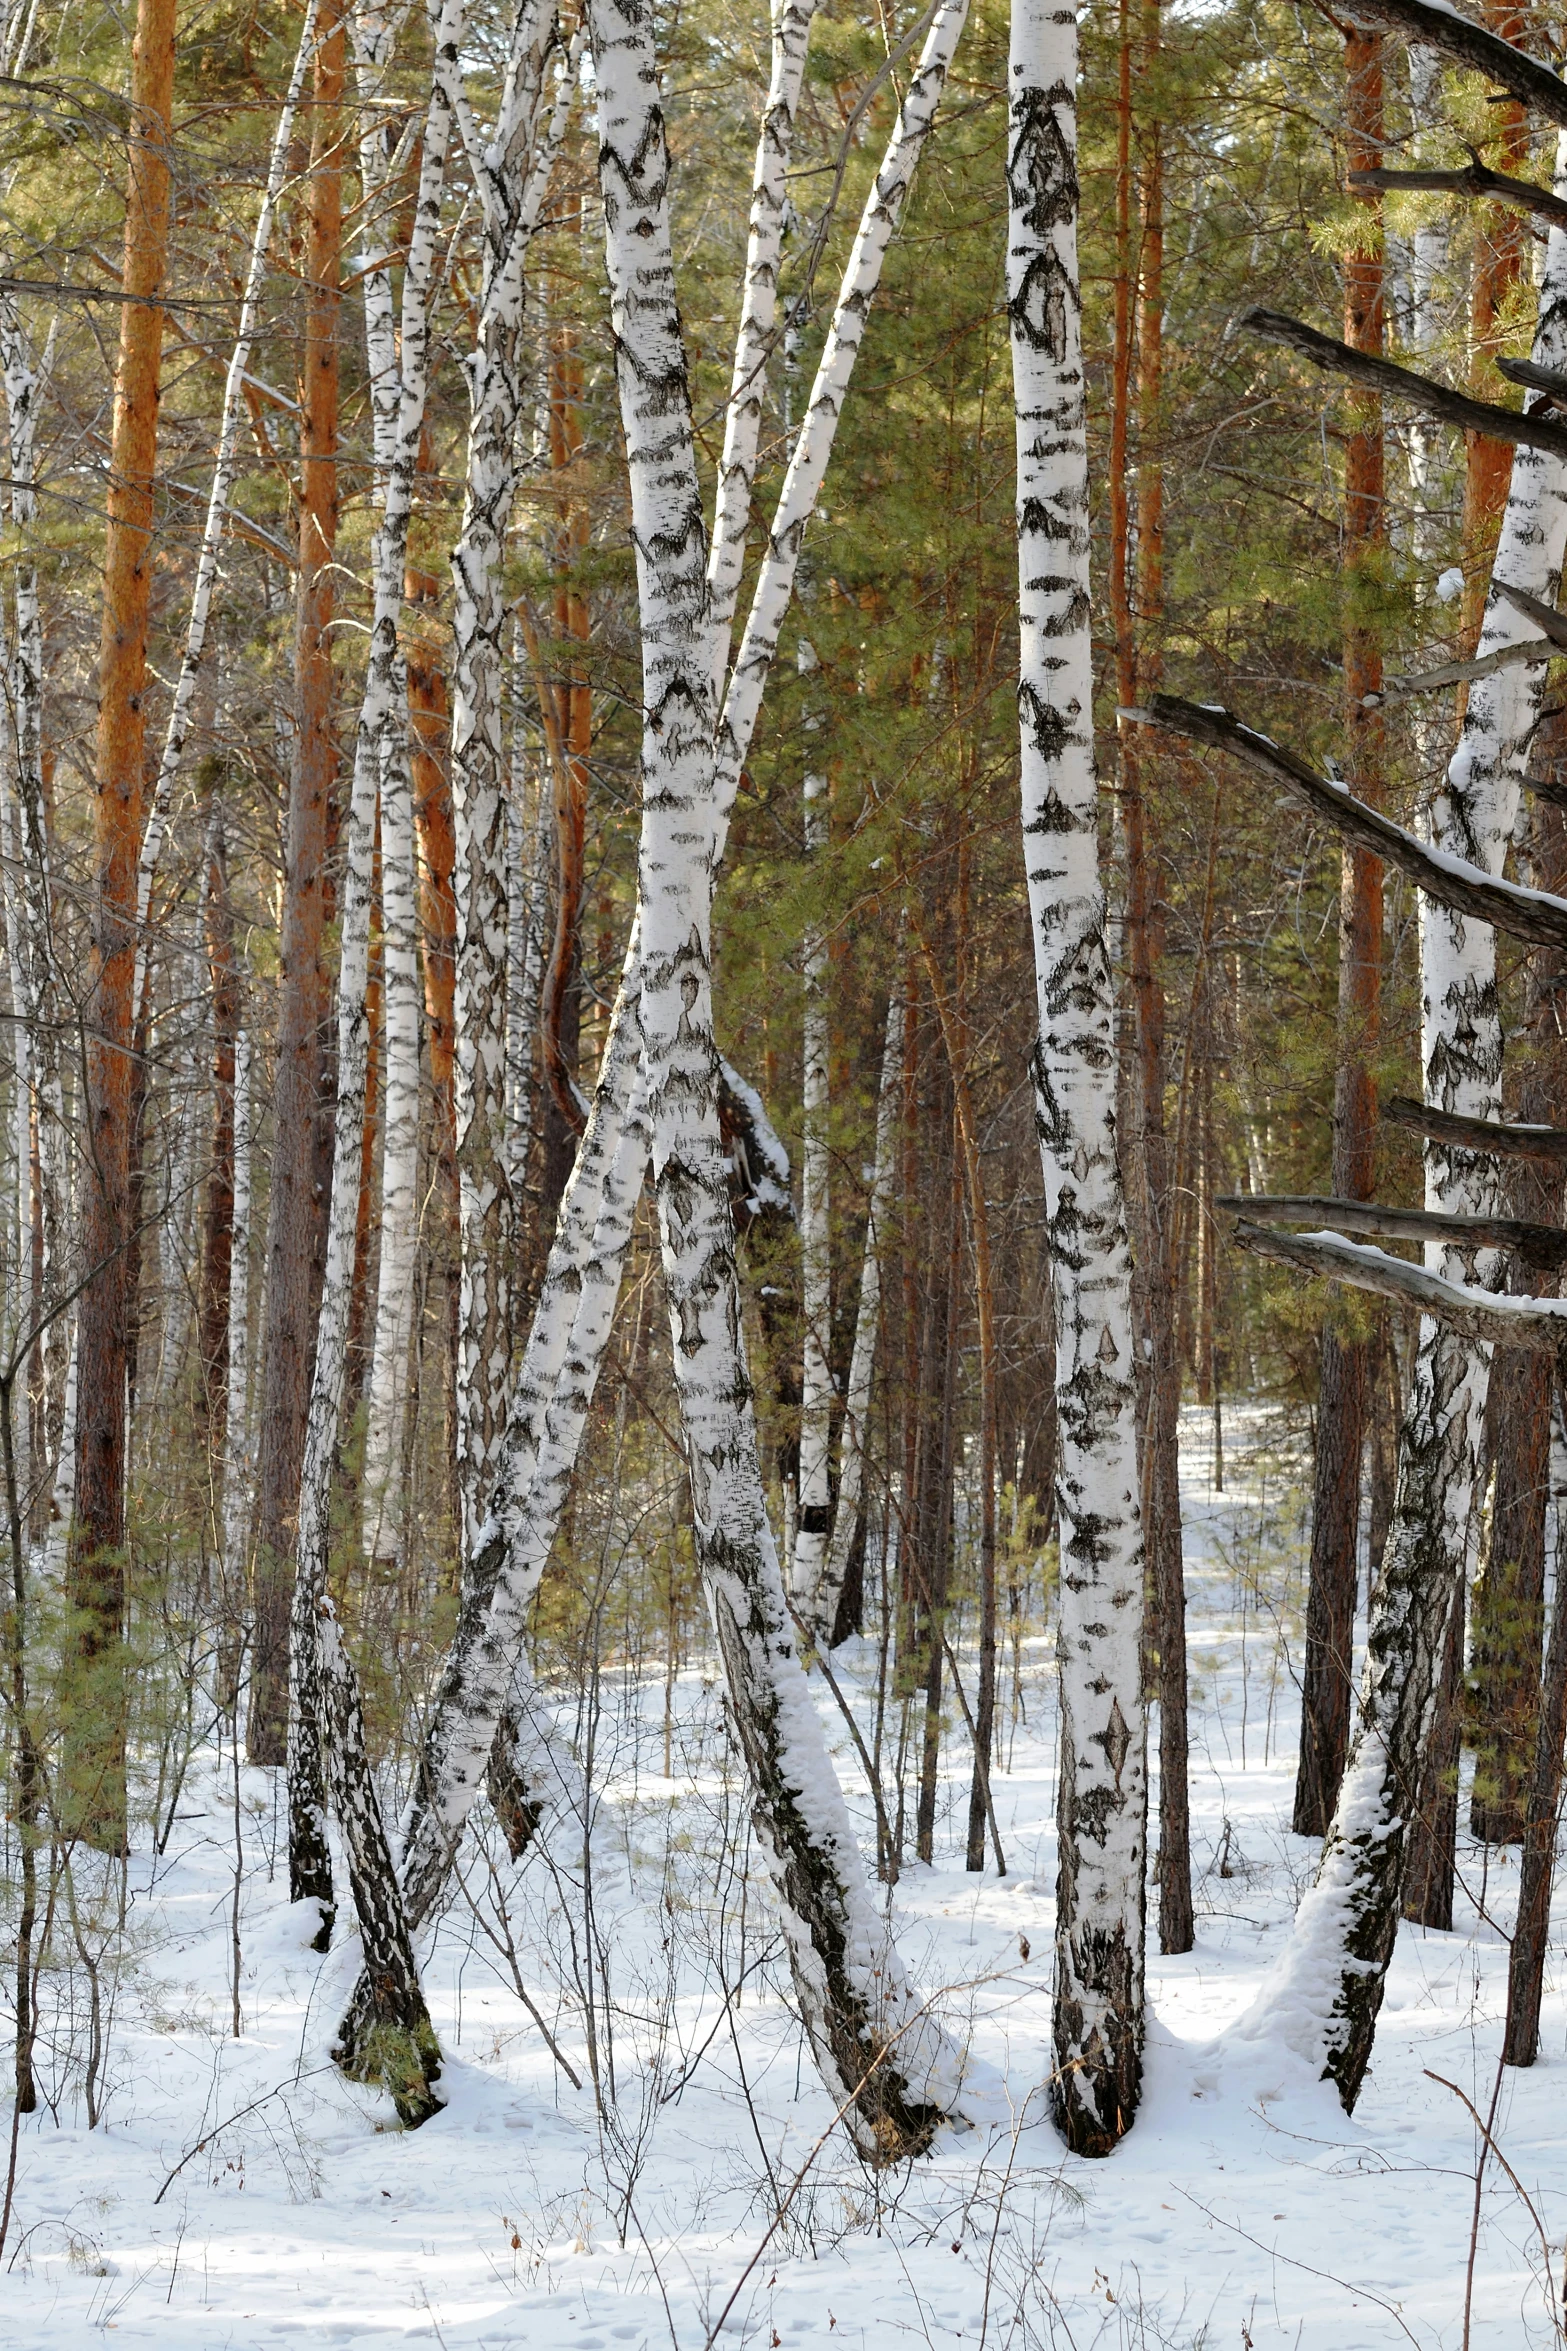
point(1536, 1324)
point(1542, 1247)
point(1532, 915)
point(1433, 24)
point(1476, 1134)
point(1475, 179)
point(1401, 383)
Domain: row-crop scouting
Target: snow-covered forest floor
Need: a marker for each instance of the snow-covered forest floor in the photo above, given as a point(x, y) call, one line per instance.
point(237, 2192)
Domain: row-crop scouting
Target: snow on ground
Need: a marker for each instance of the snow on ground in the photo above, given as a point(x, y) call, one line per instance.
point(238, 2193)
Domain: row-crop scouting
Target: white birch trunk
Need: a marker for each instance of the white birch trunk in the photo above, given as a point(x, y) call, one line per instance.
point(822, 1603)
point(512, 171)
point(877, 2052)
point(527, 888)
point(324, 1697)
point(758, 318)
point(1102, 1811)
point(217, 505)
point(512, 1552)
point(814, 1520)
point(33, 979)
point(1325, 1994)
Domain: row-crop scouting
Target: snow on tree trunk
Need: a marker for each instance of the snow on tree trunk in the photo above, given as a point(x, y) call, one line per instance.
point(322, 1670)
point(814, 1521)
point(1102, 1811)
point(822, 1604)
point(876, 2049)
point(512, 173)
point(1325, 1993)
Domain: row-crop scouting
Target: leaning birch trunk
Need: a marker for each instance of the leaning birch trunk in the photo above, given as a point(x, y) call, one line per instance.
point(877, 2051)
point(1325, 1993)
point(1102, 1809)
point(223, 469)
point(813, 1523)
point(822, 1604)
point(394, 2039)
point(510, 1556)
point(512, 174)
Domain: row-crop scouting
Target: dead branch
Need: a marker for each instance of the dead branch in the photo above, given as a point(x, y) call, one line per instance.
point(1475, 179)
point(1401, 383)
point(1476, 1134)
point(1542, 1247)
point(1532, 915)
point(1434, 25)
point(1541, 1327)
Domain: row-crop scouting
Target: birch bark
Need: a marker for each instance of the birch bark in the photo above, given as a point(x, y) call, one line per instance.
point(512, 171)
point(514, 1544)
point(381, 747)
point(1326, 1992)
point(877, 2052)
point(814, 1522)
point(1102, 1812)
point(236, 1425)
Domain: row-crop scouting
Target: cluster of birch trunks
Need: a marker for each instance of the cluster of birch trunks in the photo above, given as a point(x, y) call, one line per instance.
point(665, 1111)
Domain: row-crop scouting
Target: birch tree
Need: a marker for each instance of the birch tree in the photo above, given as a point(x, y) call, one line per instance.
point(576, 1299)
point(381, 744)
point(512, 168)
point(1102, 1805)
point(1326, 1991)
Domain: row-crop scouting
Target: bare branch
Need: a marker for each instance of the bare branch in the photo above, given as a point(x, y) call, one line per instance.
point(1457, 673)
point(1546, 618)
point(1524, 914)
point(1435, 25)
point(1542, 1247)
point(1401, 383)
point(1475, 179)
point(1476, 1134)
point(1540, 1325)
point(1535, 378)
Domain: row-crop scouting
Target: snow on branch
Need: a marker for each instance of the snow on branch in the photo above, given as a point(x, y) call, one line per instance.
point(1538, 1324)
point(1532, 915)
point(1542, 1247)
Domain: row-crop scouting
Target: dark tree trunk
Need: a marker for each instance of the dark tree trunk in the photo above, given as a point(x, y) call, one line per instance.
point(94, 1789)
point(301, 1152)
point(1433, 1834)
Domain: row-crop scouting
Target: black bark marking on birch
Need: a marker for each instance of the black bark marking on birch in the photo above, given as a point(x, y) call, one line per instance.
point(899, 2125)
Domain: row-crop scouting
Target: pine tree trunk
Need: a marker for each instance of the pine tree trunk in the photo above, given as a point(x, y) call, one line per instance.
point(95, 1568)
point(236, 1425)
point(1326, 1992)
point(1344, 1398)
point(296, 1211)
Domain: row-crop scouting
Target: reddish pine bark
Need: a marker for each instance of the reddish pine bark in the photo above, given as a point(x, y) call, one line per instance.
point(95, 1568)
